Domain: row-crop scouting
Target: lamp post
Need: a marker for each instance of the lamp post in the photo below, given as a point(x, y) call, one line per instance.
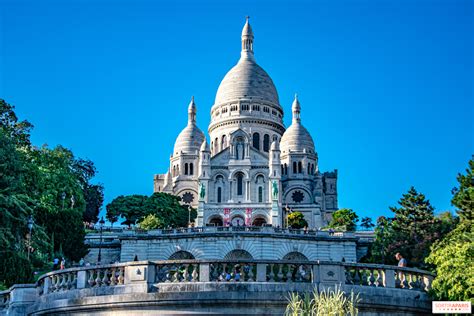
point(31, 222)
point(189, 215)
point(101, 224)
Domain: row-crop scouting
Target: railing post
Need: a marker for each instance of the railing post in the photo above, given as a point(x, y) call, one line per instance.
point(389, 278)
point(46, 285)
point(204, 272)
point(261, 272)
point(81, 279)
point(427, 280)
point(316, 276)
point(139, 273)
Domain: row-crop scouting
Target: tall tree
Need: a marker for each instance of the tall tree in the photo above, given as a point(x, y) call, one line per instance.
point(453, 256)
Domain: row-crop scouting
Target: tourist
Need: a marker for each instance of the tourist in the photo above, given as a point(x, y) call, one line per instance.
point(81, 262)
point(402, 262)
point(63, 264)
point(55, 264)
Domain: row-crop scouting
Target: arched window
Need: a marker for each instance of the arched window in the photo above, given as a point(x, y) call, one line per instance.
point(309, 168)
point(300, 167)
point(274, 138)
point(240, 184)
point(224, 142)
point(282, 170)
point(256, 141)
point(294, 167)
point(174, 171)
point(216, 146)
point(286, 169)
point(312, 168)
point(212, 147)
point(219, 195)
point(185, 168)
point(191, 169)
point(266, 142)
point(260, 194)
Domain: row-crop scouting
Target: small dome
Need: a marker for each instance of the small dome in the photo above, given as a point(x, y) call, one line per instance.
point(296, 138)
point(191, 137)
point(189, 140)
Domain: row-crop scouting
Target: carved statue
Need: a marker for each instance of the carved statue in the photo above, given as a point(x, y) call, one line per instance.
point(202, 190)
point(239, 151)
point(275, 189)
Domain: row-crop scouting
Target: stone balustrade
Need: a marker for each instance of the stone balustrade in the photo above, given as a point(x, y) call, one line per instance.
point(144, 278)
point(226, 229)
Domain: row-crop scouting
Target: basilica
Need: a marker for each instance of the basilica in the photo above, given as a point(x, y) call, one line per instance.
point(253, 171)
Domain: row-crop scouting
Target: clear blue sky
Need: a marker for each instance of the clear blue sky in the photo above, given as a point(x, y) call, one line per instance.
point(386, 87)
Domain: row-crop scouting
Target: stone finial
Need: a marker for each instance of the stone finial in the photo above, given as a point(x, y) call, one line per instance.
point(247, 40)
point(192, 111)
point(296, 109)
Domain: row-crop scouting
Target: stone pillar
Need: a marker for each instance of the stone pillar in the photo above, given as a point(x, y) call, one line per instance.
point(389, 278)
point(47, 285)
point(204, 272)
point(81, 279)
point(140, 276)
point(261, 272)
point(22, 296)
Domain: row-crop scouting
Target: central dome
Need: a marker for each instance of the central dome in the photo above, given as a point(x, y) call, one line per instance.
point(247, 80)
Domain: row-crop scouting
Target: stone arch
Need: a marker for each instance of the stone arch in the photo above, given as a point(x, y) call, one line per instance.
point(215, 220)
point(295, 256)
point(181, 255)
point(238, 220)
point(259, 220)
point(245, 172)
point(238, 254)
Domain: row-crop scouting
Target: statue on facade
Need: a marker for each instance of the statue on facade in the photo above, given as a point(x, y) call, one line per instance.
point(275, 190)
point(202, 190)
point(239, 151)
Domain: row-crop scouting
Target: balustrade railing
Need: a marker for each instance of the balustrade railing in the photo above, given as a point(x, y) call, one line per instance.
point(249, 229)
point(245, 270)
point(4, 299)
point(387, 276)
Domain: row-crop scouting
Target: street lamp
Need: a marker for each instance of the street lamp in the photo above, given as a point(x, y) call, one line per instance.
point(101, 224)
point(31, 222)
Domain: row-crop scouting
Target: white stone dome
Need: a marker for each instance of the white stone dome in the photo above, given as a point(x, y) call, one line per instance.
point(189, 140)
point(296, 138)
point(191, 137)
point(247, 80)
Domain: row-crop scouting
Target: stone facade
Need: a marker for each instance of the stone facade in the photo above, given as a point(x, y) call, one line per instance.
point(253, 171)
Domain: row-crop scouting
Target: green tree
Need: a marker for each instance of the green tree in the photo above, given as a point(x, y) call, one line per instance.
point(151, 221)
point(344, 218)
point(411, 231)
point(129, 207)
point(296, 220)
point(366, 222)
point(453, 256)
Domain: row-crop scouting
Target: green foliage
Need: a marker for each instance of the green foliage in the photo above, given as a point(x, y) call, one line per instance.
point(345, 219)
point(151, 221)
point(366, 222)
point(51, 185)
point(167, 209)
point(327, 302)
point(130, 207)
point(296, 220)
point(411, 231)
point(453, 256)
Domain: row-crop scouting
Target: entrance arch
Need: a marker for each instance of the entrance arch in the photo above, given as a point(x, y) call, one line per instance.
point(181, 255)
point(259, 221)
point(237, 221)
point(238, 254)
point(216, 221)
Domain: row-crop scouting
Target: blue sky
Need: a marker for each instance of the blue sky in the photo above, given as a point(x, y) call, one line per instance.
point(386, 87)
